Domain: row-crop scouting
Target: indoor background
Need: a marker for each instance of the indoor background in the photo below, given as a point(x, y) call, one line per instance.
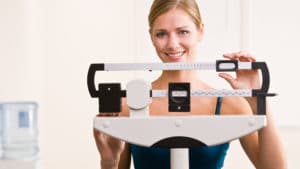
point(46, 47)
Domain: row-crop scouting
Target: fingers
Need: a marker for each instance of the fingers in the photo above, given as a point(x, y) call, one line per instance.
point(98, 135)
point(98, 138)
point(116, 143)
point(107, 114)
point(242, 56)
point(102, 140)
point(229, 79)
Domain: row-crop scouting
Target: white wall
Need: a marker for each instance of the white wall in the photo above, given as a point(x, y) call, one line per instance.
point(20, 51)
point(275, 37)
point(47, 46)
point(76, 34)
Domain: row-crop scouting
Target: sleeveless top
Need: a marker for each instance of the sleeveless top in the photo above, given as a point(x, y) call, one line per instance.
point(211, 157)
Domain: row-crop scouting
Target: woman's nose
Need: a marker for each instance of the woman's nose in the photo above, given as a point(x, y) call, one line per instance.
point(173, 42)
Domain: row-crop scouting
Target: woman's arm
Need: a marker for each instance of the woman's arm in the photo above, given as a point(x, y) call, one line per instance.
point(264, 148)
point(114, 153)
point(271, 154)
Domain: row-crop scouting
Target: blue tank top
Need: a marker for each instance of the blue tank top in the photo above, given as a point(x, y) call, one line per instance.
point(211, 157)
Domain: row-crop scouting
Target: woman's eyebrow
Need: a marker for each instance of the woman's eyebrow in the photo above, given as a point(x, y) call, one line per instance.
point(160, 30)
point(182, 27)
point(165, 30)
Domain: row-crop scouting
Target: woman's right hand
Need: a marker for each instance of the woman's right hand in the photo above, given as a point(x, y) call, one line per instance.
point(110, 148)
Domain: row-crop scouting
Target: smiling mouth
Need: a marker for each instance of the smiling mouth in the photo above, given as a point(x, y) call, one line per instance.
point(175, 55)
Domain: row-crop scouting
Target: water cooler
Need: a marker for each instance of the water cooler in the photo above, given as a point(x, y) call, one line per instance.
point(19, 135)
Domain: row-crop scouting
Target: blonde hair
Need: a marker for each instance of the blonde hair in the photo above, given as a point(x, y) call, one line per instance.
point(162, 6)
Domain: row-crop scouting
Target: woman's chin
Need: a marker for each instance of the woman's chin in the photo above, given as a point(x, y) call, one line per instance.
point(181, 58)
point(176, 59)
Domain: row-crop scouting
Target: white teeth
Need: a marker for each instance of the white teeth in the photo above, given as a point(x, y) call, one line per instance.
point(175, 54)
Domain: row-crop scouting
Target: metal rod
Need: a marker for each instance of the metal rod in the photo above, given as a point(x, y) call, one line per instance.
point(179, 158)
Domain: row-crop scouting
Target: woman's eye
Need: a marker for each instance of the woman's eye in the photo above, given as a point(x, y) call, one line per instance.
point(160, 34)
point(184, 32)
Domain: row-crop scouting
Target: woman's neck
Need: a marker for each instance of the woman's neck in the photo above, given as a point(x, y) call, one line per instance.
point(179, 76)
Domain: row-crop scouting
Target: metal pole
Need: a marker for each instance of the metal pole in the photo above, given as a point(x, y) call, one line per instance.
point(179, 158)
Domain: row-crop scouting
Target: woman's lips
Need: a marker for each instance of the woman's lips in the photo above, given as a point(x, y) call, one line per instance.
point(175, 55)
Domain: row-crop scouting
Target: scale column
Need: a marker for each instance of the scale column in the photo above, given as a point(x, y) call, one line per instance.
point(179, 158)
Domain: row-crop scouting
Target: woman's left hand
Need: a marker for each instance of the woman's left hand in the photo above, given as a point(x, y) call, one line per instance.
point(245, 79)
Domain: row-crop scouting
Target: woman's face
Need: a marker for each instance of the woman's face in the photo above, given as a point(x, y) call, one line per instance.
point(175, 36)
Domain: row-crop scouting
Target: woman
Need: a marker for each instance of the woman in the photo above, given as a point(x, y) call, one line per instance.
point(176, 29)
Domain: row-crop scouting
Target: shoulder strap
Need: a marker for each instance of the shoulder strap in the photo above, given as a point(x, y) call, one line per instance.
point(218, 106)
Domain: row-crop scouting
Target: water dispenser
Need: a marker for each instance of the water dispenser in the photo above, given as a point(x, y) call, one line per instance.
point(1, 132)
point(19, 130)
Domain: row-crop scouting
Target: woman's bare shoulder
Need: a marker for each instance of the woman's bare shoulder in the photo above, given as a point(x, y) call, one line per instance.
point(235, 106)
point(124, 108)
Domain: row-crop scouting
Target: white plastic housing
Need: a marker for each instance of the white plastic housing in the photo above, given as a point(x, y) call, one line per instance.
point(138, 97)
point(138, 94)
point(210, 130)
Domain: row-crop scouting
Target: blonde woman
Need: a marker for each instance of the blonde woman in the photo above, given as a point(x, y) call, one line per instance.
point(176, 28)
